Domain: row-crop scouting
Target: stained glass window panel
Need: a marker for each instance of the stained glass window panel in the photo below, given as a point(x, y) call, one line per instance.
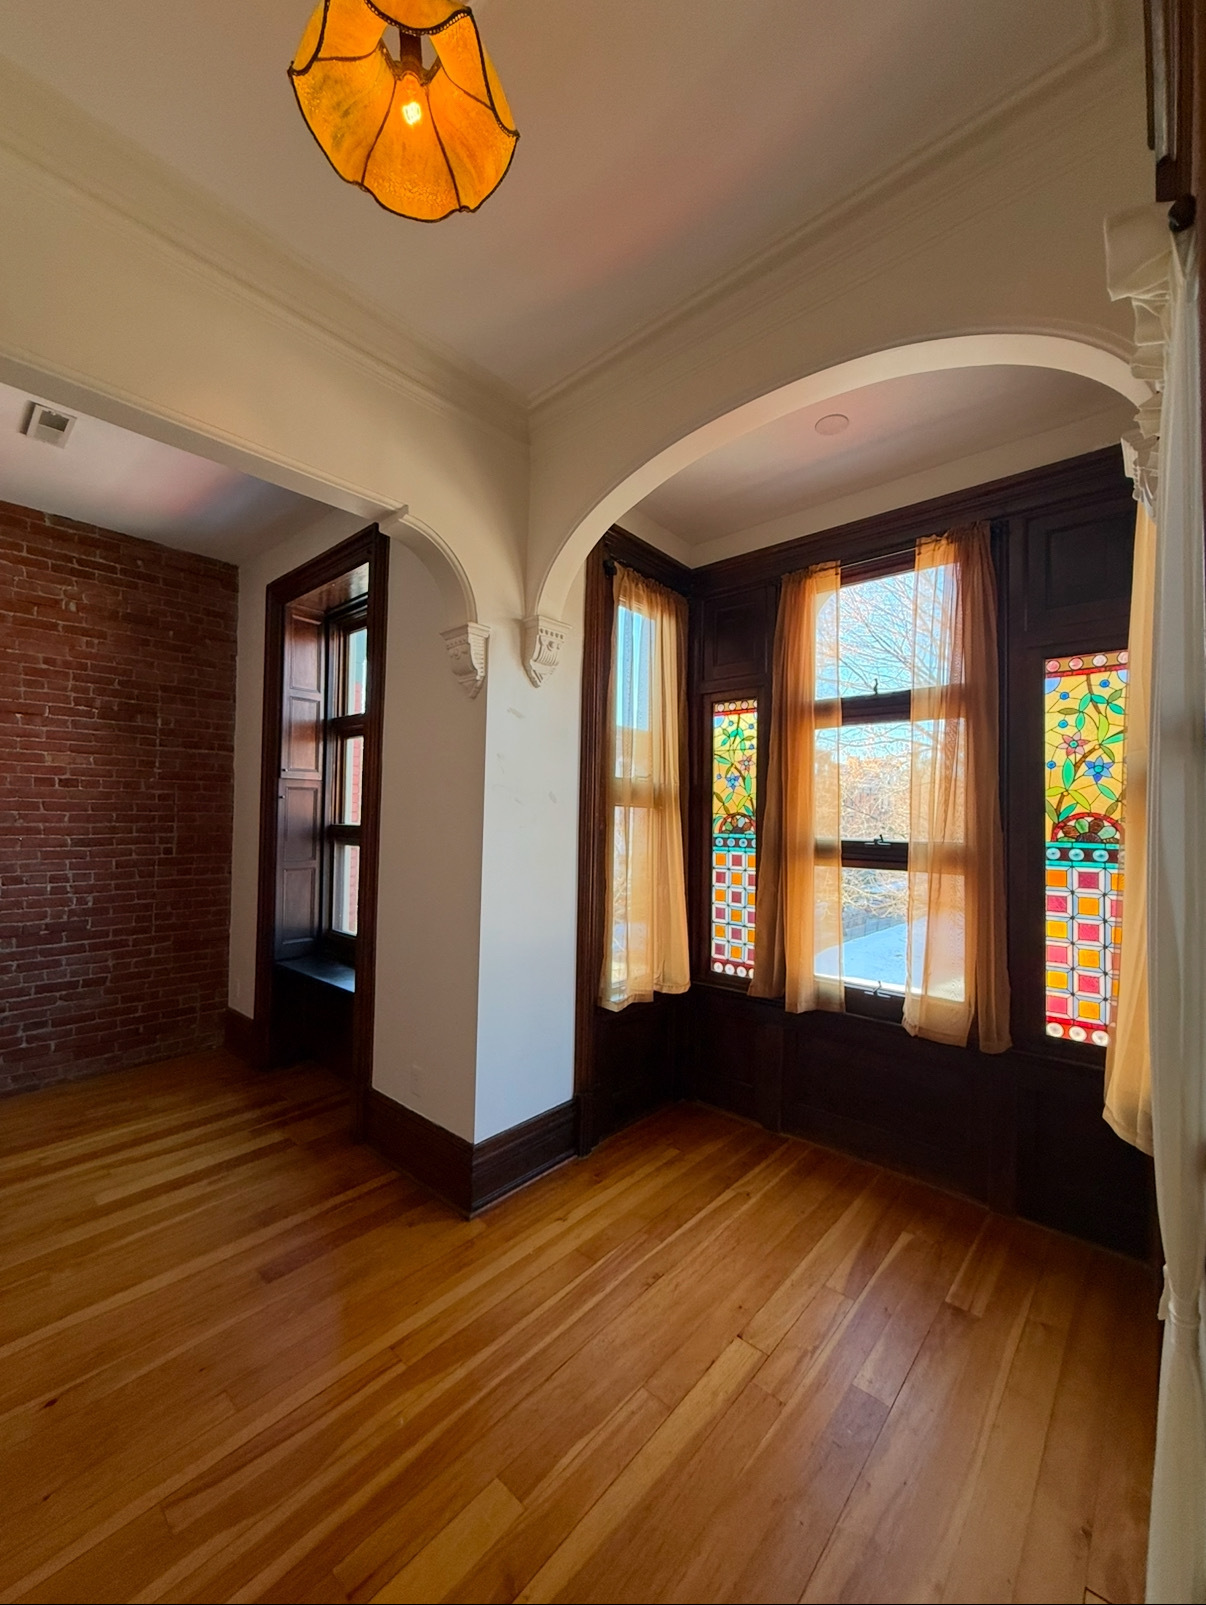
point(1084, 753)
point(734, 836)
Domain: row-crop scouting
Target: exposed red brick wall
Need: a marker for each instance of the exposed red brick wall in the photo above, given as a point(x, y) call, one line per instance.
point(117, 687)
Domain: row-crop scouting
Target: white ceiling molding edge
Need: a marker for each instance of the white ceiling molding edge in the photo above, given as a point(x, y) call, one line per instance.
point(60, 141)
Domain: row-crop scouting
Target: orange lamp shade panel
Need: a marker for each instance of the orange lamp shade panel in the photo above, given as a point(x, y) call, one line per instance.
point(424, 141)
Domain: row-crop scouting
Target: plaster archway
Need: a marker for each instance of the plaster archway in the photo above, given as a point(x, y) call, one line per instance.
point(927, 356)
point(440, 561)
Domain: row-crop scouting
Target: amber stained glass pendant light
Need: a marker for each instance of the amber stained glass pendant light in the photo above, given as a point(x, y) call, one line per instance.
point(424, 141)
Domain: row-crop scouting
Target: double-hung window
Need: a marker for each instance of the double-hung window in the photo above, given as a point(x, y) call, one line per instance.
point(865, 663)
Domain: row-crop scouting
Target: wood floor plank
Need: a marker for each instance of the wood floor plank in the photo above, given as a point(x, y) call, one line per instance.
point(245, 1360)
point(442, 1562)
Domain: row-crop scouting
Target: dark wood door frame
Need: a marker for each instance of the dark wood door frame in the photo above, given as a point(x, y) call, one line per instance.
point(370, 548)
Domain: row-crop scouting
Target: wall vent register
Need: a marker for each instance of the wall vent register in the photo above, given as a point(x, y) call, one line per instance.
point(48, 424)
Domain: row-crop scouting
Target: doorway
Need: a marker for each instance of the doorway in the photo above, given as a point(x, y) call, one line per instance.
point(320, 797)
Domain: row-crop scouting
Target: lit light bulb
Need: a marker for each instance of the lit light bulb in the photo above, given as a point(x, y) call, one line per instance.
point(412, 111)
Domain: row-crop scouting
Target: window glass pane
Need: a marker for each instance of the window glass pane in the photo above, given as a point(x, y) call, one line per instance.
point(734, 840)
point(874, 760)
point(346, 890)
point(634, 634)
point(874, 930)
point(1084, 747)
point(356, 685)
point(875, 647)
point(350, 774)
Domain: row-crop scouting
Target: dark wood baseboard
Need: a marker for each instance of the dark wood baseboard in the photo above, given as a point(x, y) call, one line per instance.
point(241, 1037)
point(520, 1154)
point(469, 1177)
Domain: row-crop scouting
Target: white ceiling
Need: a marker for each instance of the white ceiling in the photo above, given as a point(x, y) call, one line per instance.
point(665, 143)
point(122, 481)
point(897, 428)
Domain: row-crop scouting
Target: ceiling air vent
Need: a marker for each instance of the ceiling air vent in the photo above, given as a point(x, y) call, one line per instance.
point(48, 424)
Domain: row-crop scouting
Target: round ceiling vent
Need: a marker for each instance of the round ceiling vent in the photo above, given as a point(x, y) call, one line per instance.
point(832, 423)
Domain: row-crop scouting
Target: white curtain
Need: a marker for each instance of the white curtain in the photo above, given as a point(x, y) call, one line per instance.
point(1176, 867)
point(646, 946)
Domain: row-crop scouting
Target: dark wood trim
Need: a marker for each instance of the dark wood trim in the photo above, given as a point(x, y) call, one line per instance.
point(597, 643)
point(885, 534)
point(468, 1176)
point(241, 1037)
point(624, 548)
point(369, 547)
point(519, 1155)
point(1171, 28)
point(439, 1159)
point(364, 1007)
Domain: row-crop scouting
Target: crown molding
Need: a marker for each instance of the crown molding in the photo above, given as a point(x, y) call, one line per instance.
point(893, 209)
point(68, 148)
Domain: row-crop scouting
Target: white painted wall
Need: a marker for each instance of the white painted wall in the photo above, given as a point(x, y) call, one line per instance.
point(429, 909)
point(525, 1050)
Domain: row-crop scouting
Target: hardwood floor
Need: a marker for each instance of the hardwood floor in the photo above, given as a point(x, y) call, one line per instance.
point(242, 1359)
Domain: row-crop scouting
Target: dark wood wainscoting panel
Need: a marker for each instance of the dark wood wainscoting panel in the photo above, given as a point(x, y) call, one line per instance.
point(519, 1155)
point(636, 1058)
point(738, 1049)
point(860, 1085)
point(872, 1089)
point(1073, 1172)
point(312, 1020)
point(1017, 1132)
point(735, 634)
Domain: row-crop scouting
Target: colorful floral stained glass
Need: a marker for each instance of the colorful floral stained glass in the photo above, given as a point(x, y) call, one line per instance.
point(734, 835)
point(1084, 752)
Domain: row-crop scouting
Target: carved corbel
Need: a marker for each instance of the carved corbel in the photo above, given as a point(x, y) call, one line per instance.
point(1139, 254)
point(543, 639)
point(467, 650)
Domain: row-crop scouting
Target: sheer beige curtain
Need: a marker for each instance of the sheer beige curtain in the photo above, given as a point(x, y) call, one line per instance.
point(800, 866)
point(956, 957)
point(646, 947)
point(1128, 1072)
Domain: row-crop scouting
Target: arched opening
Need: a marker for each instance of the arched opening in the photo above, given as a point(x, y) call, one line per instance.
point(1055, 352)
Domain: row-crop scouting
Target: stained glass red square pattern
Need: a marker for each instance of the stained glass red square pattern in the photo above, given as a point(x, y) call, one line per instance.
point(1084, 757)
point(734, 838)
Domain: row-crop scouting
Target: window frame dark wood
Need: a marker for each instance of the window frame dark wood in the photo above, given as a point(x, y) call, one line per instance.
point(369, 547)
